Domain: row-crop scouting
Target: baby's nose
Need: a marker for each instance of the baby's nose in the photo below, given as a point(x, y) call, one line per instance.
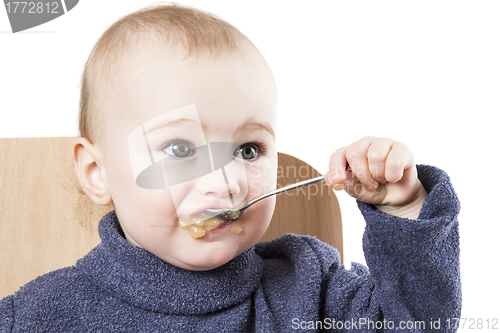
point(218, 184)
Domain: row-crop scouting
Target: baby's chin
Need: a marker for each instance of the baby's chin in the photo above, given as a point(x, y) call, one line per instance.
point(206, 257)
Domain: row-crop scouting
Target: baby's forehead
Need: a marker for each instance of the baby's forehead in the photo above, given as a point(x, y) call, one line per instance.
point(156, 75)
point(147, 45)
point(141, 90)
point(152, 55)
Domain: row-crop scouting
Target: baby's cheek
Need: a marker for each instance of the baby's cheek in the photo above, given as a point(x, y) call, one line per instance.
point(151, 212)
point(184, 195)
point(261, 179)
point(258, 218)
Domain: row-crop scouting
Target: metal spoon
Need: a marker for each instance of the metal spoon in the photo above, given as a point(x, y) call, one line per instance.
point(234, 213)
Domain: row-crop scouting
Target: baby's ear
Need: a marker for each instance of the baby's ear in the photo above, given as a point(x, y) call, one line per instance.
point(90, 170)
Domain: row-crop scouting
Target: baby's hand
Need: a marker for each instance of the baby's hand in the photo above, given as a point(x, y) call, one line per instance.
point(381, 172)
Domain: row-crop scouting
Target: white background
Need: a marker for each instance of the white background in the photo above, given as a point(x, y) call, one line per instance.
point(425, 73)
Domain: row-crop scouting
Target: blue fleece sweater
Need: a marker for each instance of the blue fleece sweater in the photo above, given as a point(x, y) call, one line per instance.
point(293, 283)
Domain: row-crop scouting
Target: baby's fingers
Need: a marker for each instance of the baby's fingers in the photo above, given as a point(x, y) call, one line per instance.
point(398, 160)
point(336, 176)
point(377, 155)
point(356, 157)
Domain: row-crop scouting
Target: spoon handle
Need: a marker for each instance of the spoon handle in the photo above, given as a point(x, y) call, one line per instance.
point(283, 189)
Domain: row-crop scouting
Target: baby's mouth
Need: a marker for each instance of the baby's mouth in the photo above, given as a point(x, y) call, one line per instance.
point(198, 225)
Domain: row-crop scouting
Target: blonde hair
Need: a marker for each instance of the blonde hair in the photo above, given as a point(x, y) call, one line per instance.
point(199, 33)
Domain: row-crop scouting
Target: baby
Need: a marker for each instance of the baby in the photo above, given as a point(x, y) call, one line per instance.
point(178, 115)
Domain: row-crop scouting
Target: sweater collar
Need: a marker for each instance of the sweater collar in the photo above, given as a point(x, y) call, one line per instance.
point(140, 278)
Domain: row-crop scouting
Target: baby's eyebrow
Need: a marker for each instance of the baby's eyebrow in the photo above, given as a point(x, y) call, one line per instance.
point(172, 123)
point(250, 125)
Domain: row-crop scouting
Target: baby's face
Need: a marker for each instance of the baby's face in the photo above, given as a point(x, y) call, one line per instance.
point(209, 128)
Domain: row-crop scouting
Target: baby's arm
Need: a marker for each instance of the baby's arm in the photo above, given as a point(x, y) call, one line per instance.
point(411, 240)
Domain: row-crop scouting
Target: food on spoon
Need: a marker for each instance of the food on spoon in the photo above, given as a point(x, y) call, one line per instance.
point(234, 214)
point(199, 224)
point(213, 223)
point(198, 220)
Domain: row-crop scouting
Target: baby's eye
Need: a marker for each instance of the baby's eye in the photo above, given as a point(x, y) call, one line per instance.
point(178, 149)
point(248, 151)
